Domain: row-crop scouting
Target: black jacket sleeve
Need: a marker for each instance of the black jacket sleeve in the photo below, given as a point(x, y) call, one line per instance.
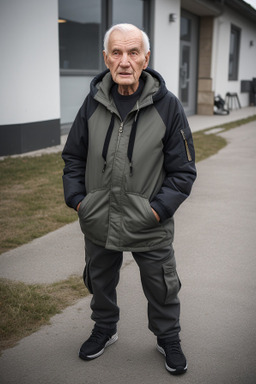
point(74, 155)
point(179, 161)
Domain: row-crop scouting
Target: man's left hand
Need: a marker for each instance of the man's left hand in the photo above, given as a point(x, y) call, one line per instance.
point(156, 215)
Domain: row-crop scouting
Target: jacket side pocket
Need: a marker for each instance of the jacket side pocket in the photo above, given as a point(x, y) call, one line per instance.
point(93, 215)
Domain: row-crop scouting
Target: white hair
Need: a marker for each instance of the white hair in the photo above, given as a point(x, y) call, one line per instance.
point(126, 28)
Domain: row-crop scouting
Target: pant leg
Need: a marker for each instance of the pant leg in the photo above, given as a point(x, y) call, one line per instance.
point(161, 285)
point(101, 277)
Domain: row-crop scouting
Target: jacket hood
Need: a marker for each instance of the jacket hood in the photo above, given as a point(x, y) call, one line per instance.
point(155, 88)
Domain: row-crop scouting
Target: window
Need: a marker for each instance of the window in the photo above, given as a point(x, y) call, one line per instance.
point(234, 53)
point(80, 36)
point(185, 29)
point(82, 24)
point(128, 12)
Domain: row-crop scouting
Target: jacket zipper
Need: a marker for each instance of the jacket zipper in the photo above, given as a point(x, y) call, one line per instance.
point(120, 131)
point(186, 145)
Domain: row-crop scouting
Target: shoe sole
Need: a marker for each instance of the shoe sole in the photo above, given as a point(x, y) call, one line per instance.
point(111, 341)
point(169, 369)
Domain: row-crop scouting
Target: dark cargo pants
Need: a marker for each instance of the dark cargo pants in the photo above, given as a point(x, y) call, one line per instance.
point(159, 279)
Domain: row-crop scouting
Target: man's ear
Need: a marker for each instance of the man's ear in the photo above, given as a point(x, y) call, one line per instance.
point(105, 58)
point(147, 57)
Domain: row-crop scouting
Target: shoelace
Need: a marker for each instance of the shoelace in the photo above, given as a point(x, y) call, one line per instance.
point(97, 336)
point(173, 347)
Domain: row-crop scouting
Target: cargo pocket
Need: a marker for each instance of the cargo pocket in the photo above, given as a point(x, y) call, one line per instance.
point(86, 278)
point(172, 282)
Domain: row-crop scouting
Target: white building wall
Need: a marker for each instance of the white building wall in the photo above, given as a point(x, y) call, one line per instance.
point(73, 90)
point(167, 42)
point(220, 60)
point(29, 65)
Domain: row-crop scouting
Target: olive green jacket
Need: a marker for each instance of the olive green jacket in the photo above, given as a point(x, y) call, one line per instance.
point(120, 170)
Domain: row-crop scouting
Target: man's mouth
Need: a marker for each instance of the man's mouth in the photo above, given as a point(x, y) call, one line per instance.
point(124, 73)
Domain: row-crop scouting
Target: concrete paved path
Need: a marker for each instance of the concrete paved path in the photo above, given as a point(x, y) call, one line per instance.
point(215, 247)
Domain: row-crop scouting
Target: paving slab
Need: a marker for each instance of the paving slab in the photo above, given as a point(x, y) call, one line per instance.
point(48, 259)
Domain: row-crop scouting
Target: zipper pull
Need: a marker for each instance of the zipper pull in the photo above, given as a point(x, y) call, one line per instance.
point(104, 167)
point(131, 169)
point(121, 128)
point(186, 145)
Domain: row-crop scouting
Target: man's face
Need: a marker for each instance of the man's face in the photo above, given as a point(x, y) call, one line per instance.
point(126, 59)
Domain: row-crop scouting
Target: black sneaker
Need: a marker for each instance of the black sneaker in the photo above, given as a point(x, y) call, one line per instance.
point(175, 362)
point(97, 342)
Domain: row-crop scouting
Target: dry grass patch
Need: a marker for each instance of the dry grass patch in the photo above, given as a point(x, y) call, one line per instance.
point(32, 202)
point(209, 144)
point(25, 308)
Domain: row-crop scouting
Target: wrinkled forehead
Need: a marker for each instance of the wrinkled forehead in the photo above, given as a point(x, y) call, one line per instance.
point(125, 40)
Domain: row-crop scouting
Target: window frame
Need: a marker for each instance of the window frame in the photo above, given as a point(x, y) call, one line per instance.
point(234, 56)
point(106, 22)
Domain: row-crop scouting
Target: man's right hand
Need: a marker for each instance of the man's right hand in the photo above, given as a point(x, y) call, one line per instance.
point(78, 206)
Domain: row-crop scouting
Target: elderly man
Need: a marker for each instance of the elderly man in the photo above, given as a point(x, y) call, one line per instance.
point(129, 164)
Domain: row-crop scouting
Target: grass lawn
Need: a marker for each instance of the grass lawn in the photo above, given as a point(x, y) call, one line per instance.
point(32, 205)
point(25, 308)
point(32, 202)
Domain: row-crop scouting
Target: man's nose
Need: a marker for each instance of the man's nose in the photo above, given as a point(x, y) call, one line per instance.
point(125, 60)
